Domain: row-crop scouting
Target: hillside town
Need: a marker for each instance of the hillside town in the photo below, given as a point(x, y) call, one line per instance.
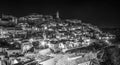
point(46, 40)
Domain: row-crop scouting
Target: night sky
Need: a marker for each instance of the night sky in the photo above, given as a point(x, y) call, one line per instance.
point(100, 13)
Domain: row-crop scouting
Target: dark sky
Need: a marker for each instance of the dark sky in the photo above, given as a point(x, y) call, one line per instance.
point(100, 13)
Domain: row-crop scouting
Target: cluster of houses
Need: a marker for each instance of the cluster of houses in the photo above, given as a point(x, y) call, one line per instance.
point(33, 38)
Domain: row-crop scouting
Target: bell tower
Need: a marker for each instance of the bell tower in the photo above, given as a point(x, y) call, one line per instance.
point(57, 15)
